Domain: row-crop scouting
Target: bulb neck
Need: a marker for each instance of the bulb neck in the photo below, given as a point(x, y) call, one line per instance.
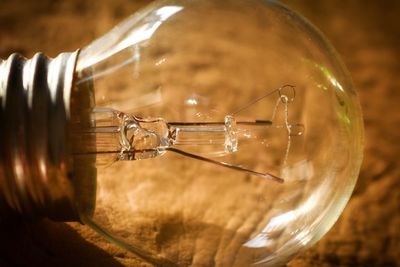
point(35, 167)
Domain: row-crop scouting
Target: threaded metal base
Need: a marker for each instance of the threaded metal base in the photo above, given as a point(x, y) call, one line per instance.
point(35, 167)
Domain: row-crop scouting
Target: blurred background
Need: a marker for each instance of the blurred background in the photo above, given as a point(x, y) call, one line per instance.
point(365, 33)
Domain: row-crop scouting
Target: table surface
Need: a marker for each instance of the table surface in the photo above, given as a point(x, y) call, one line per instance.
point(365, 33)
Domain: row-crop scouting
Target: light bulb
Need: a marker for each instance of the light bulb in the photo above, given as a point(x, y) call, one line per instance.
point(195, 133)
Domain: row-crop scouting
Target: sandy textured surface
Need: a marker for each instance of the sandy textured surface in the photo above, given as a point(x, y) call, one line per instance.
point(365, 33)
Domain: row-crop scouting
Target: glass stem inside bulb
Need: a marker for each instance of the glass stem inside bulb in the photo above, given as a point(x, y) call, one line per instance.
point(129, 137)
point(143, 138)
point(221, 137)
point(121, 136)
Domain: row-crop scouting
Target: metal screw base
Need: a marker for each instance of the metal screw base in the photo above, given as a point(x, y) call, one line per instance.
point(35, 166)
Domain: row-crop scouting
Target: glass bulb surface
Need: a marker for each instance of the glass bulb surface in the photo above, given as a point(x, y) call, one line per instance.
point(194, 103)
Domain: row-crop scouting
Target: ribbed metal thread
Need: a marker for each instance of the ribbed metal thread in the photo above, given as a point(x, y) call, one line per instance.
point(35, 166)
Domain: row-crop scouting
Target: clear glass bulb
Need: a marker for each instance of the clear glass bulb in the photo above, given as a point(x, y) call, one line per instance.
point(224, 133)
